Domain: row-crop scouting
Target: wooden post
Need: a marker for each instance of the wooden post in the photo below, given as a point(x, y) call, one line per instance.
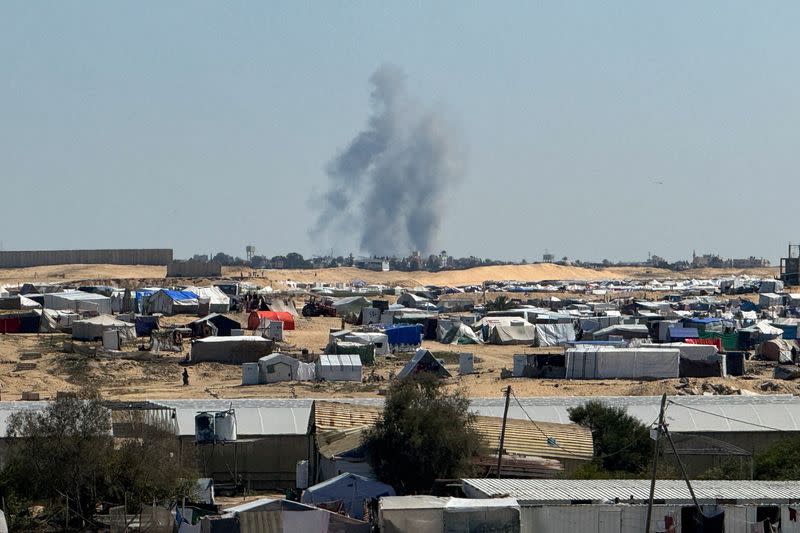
point(503, 431)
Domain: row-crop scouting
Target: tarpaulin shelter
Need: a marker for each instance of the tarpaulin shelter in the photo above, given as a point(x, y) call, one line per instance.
point(232, 350)
point(93, 328)
point(626, 331)
point(351, 490)
point(554, 334)
point(213, 324)
point(170, 302)
point(78, 301)
point(512, 334)
point(423, 361)
point(339, 367)
point(20, 322)
point(351, 305)
point(218, 301)
point(460, 333)
point(403, 336)
point(599, 362)
point(254, 320)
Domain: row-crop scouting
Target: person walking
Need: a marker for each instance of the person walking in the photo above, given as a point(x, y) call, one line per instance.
point(185, 377)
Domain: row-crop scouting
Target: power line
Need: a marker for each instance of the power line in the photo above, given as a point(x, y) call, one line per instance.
point(729, 418)
point(557, 445)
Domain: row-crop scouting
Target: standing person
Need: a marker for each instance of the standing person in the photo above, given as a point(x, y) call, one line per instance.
point(185, 377)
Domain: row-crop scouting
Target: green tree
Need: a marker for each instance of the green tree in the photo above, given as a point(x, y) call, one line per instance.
point(780, 462)
point(425, 433)
point(622, 444)
point(501, 303)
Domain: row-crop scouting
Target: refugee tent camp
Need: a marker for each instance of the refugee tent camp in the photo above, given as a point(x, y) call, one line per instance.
point(232, 350)
point(626, 331)
point(168, 302)
point(351, 490)
point(78, 301)
point(339, 367)
point(520, 332)
point(412, 301)
point(92, 328)
point(255, 318)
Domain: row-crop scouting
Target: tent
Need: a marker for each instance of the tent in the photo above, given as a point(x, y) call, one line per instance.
point(281, 367)
point(461, 334)
point(351, 490)
point(218, 301)
point(626, 331)
point(403, 336)
point(602, 362)
point(92, 328)
point(352, 305)
point(423, 361)
point(18, 302)
point(78, 301)
point(513, 334)
point(232, 350)
point(213, 325)
point(170, 302)
point(412, 301)
point(781, 350)
point(380, 340)
point(554, 334)
point(282, 306)
point(20, 322)
point(254, 320)
point(339, 367)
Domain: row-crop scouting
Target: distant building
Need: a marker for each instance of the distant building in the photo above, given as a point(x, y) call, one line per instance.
point(548, 258)
point(378, 265)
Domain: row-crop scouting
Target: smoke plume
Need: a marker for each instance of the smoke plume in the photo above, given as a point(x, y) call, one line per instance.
point(389, 185)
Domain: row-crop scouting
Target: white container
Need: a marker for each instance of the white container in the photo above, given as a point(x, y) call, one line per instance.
point(466, 363)
point(301, 474)
point(250, 374)
point(111, 339)
point(225, 426)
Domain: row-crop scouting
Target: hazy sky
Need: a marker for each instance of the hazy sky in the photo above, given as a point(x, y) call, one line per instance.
point(595, 130)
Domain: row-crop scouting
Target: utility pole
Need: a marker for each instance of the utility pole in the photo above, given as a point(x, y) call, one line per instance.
point(655, 462)
point(503, 431)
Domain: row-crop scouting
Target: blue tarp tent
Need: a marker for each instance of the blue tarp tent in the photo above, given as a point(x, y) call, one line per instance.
point(404, 334)
point(350, 489)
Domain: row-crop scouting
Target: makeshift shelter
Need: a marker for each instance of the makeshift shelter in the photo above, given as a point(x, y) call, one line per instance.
point(214, 324)
point(93, 328)
point(780, 350)
point(424, 361)
point(281, 367)
point(602, 362)
point(412, 301)
point(351, 305)
point(18, 303)
point(282, 305)
point(254, 320)
point(460, 333)
point(78, 301)
point(554, 334)
point(428, 514)
point(679, 334)
point(145, 324)
point(769, 299)
point(403, 337)
point(231, 350)
point(21, 322)
point(213, 297)
point(626, 331)
point(339, 367)
point(379, 340)
point(168, 302)
point(351, 490)
point(513, 334)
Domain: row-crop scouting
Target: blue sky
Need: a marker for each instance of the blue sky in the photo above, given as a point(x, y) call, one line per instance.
point(591, 129)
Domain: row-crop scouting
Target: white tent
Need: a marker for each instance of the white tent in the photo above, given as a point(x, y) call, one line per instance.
point(170, 302)
point(281, 367)
point(93, 328)
point(380, 340)
point(554, 334)
point(218, 301)
point(513, 334)
point(78, 301)
point(339, 367)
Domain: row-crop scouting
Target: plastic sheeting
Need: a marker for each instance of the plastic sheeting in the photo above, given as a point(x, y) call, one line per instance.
point(430, 514)
point(512, 334)
point(350, 489)
point(93, 328)
point(609, 363)
point(554, 334)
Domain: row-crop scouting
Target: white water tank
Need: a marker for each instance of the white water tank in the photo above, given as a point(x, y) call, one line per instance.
point(225, 426)
point(204, 427)
point(249, 373)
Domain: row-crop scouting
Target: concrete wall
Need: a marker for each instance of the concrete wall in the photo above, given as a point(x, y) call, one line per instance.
point(193, 269)
point(144, 256)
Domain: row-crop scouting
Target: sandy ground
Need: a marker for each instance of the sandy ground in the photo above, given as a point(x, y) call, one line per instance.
point(141, 375)
point(533, 272)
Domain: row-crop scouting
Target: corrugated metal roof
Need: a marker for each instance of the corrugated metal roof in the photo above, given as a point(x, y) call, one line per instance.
point(251, 420)
point(562, 441)
point(560, 491)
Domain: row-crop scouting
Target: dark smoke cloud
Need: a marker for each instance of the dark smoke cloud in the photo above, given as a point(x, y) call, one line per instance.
point(389, 185)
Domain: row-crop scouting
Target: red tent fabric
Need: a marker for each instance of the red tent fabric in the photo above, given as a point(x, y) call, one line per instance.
point(10, 325)
point(712, 342)
point(255, 319)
